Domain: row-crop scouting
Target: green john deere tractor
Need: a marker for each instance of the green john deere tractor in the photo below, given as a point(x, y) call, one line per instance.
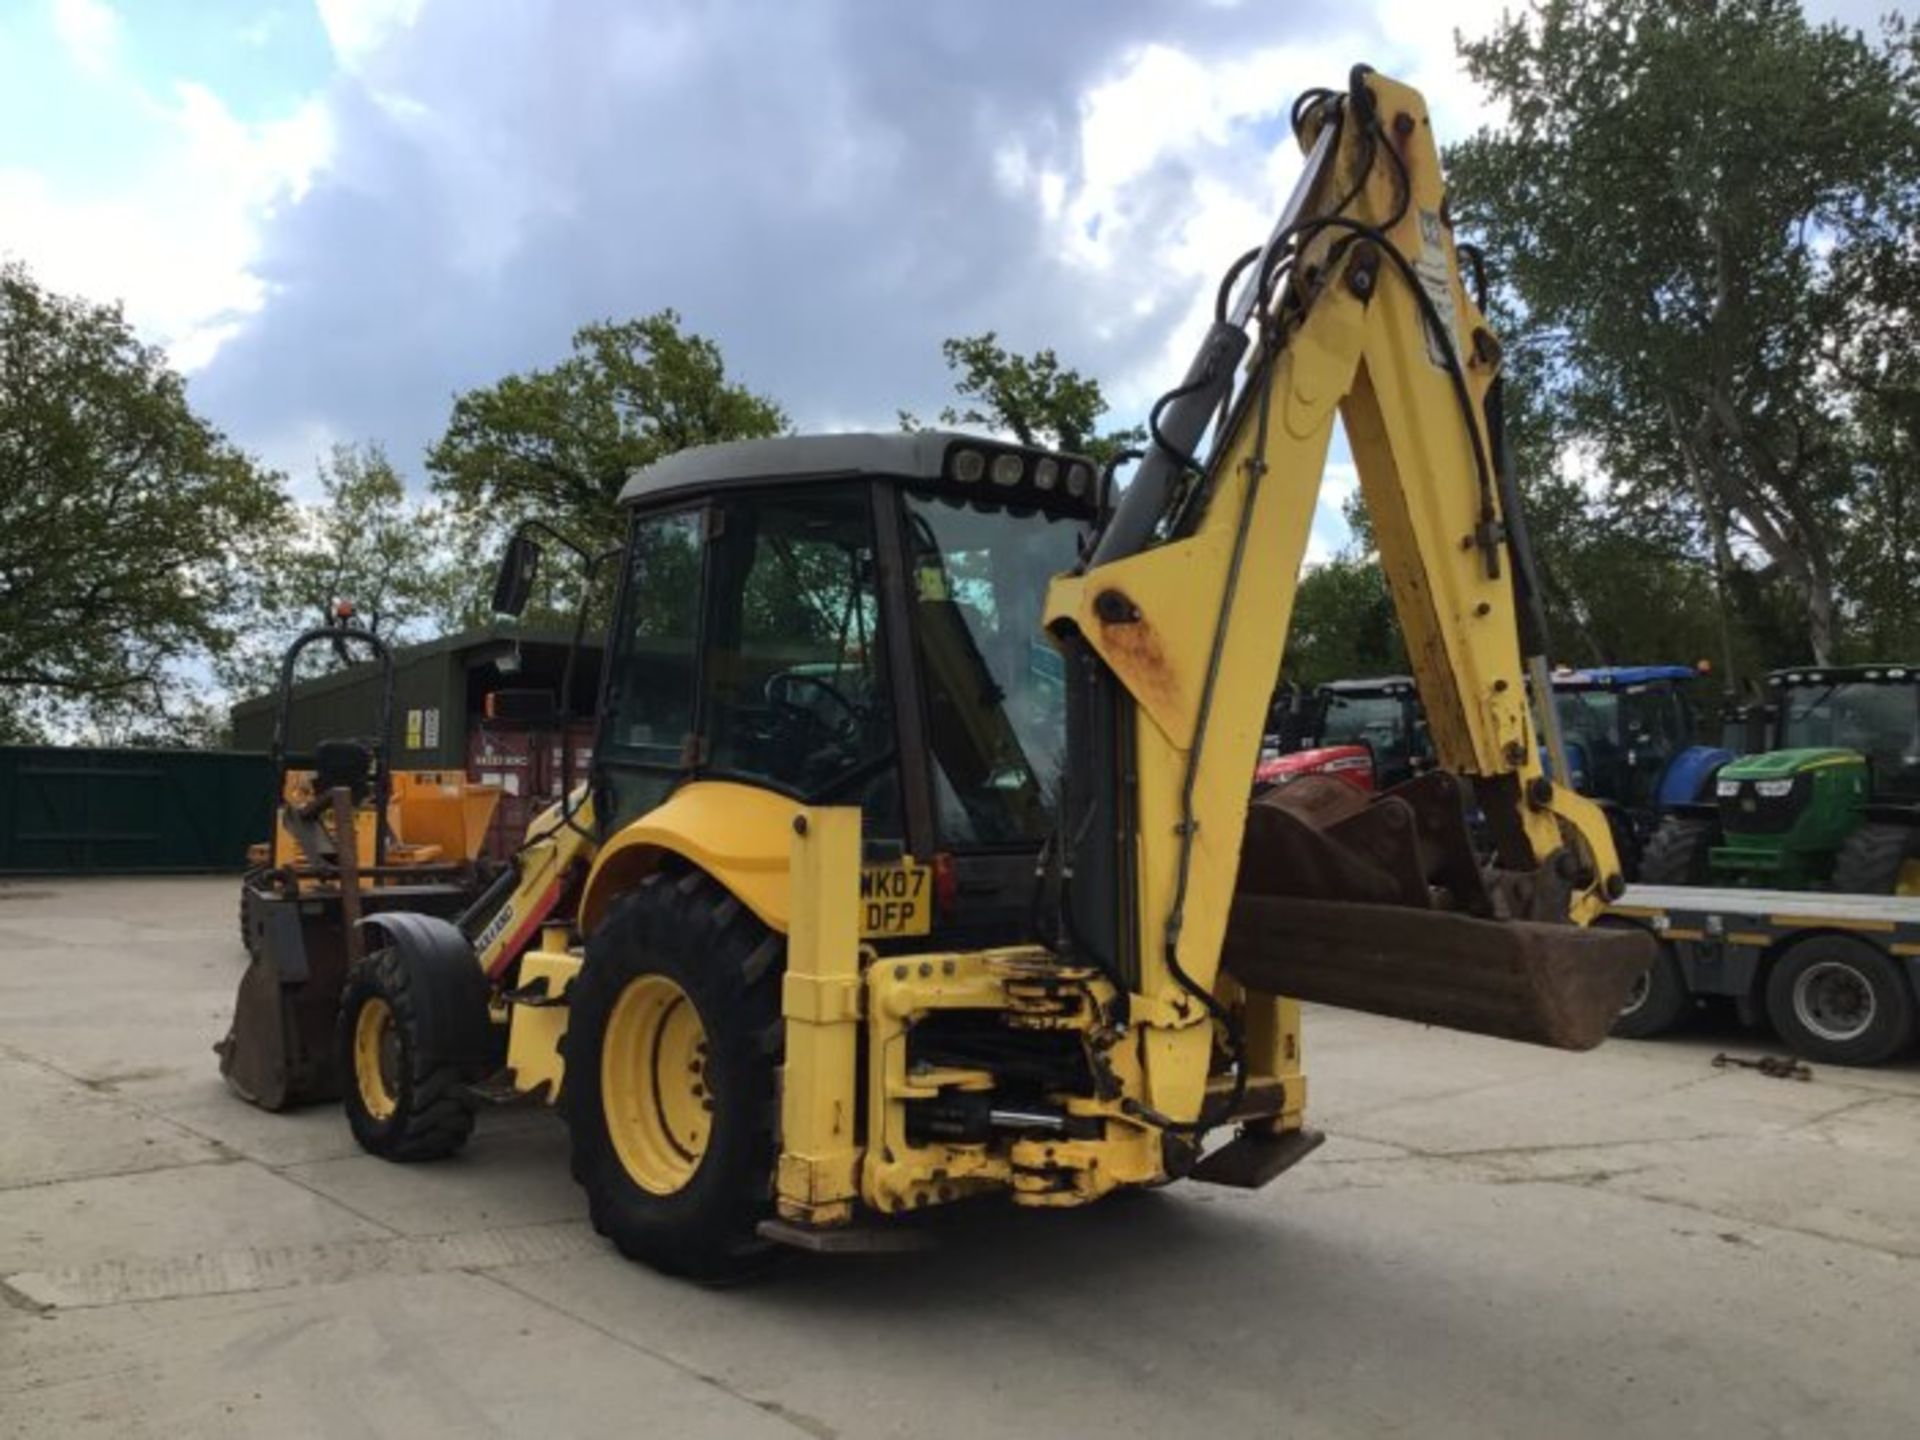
point(1834, 804)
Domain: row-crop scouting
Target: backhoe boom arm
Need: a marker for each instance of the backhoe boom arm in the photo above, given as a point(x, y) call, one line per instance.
point(1175, 630)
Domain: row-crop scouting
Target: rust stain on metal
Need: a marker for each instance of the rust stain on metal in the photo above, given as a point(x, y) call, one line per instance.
point(1135, 650)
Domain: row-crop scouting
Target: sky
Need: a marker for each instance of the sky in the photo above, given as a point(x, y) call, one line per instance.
point(336, 215)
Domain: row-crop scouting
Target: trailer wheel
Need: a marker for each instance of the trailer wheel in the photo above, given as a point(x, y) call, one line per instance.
point(1677, 853)
point(1871, 859)
point(406, 1099)
point(673, 1043)
point(1840, 1000)
point(1658, 1001)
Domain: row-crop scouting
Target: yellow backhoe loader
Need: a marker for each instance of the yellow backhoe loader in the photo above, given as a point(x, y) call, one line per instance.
point(919, 863)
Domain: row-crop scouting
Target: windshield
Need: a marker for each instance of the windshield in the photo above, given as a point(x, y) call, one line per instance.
point(1588, 717)
point(995, 686)
point(1882, 722)
point(1374, 720)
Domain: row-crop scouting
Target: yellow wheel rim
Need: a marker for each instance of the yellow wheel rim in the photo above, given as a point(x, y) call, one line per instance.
point(376, 1058)
point(653, 1084)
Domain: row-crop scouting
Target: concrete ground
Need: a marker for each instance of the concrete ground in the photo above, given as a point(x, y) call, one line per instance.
point(1497, 1241)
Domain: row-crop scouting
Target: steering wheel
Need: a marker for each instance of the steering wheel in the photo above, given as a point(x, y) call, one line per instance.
point(779, 690)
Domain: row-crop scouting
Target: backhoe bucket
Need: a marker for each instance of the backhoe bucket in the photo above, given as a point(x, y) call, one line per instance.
point(1337, 901)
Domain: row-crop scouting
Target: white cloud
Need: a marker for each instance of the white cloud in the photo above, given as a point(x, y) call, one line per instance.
point(900, 180)
point(358, 28)
point(90, 32)
point(1221, 124)
point(178, 246)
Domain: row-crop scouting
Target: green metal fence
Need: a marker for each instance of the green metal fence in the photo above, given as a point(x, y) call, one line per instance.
point(99, 811)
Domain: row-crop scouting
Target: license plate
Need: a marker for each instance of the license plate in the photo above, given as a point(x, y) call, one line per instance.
point(895, 899)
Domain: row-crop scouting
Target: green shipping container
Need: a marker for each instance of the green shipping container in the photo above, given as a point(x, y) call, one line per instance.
point(102, 811)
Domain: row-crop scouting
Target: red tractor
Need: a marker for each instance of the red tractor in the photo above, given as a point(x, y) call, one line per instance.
point(1369, 732)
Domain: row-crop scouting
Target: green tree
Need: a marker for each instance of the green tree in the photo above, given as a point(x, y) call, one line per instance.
point(128, 524)
point(1032, 397)
point(365, 543)
point(1683, 201)
point(1343, 624)
point(557, 444)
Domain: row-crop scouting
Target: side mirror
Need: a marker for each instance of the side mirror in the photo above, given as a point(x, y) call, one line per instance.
point(513, 584)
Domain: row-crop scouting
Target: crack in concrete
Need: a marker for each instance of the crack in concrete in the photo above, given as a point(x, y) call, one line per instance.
point(258, 1269)
point(1474, 1167)
point(1903, 1257)
point(809, 1425)
point(358, 1214)
point(14, 1186)
point(101, 1088)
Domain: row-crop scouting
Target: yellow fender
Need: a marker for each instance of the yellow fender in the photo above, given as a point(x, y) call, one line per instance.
point(739, 834)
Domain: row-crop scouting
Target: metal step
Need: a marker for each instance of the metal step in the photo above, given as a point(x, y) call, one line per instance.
point(847, 1239)
point(1253, 1158)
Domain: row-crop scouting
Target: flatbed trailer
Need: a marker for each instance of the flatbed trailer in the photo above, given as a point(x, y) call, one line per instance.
point(1836, 975)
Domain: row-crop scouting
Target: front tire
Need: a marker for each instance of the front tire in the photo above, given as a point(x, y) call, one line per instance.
point(1840, 1000)
point(1677, 853)
point(405, 1098)
point(674, 1040)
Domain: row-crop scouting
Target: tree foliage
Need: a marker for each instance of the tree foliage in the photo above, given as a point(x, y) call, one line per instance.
point(128, 524)
point(364, 543)
point(1343, 624)
point(557, 444)
point(1707, 213)
point(1032, 397)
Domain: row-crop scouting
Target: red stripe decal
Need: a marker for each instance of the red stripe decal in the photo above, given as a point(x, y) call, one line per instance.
point(542, 907)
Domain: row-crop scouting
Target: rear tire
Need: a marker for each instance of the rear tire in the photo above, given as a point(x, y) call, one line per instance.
point(684, 1197)
point(1677, 853)
point(404, 1100)
point(1871, 858)
point(1840, 1000)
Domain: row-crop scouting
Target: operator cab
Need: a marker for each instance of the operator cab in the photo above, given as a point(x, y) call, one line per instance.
point(1871, 709)
point(1382, 713)
point(854, 619)
point(1624, 725)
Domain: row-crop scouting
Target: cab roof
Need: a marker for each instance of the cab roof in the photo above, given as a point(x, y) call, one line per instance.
point(908, 456)
point(1619, 677)
point(1892, 673)
point(1372, 685)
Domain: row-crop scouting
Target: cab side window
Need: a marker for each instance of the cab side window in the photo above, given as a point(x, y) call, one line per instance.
point(795, 687)
point(652, 678)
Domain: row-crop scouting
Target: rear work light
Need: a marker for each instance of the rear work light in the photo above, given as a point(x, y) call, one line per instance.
point(1019, 476)
point(967, 466)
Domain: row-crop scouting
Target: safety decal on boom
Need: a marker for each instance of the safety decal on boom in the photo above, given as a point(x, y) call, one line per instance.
point(1436, 278)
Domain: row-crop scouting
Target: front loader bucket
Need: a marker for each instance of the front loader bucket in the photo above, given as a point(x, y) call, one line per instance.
point(279, 1050)
point(1383, 906)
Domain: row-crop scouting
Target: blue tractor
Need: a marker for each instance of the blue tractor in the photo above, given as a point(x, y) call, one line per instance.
point(1630, 735)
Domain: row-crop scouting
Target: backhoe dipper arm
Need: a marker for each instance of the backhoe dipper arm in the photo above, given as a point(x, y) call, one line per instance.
point(1175, 628)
